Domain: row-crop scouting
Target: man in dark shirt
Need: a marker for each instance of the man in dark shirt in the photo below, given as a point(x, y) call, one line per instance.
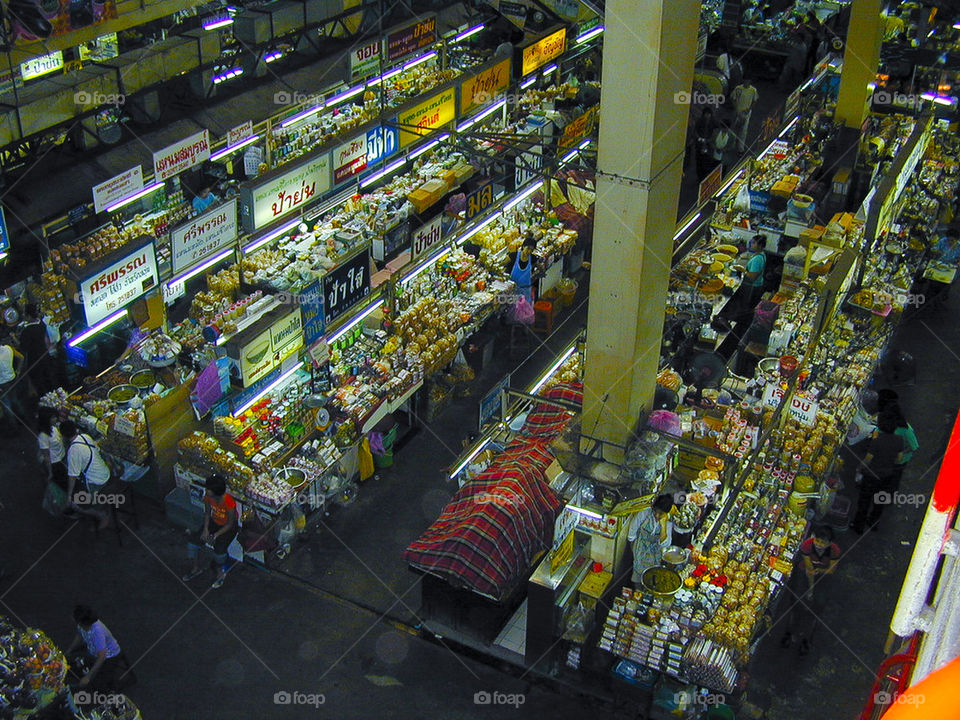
point(879, 475)
point(33, 345)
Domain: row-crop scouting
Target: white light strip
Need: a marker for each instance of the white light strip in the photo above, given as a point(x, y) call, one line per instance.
point(235, 72)
point(222, 22)
point(271, 57)
point(343, 96)
point(3, 255)
point(260, 242)
point(136, 196)
point(682, 230)
point(256, 398)
point(220, 154)
point(424, 266)
point(552, 370)
point(90, 332)
point(467, 33)
point(549, 69)
point(429, 146)
point(584, 511)
point(528, 82)
point(477, 118)
point(470, 233)
point(471, 456)
point(383, 173)
point(943, 100)
point(523, 196)
point(729, 182)
point(200, 268)
point(584, 144)
point(927, 96)
point(301, 116)
point(589, 35)
point(788, 127)
point(569, 156)
point(349, 326)
point(420, 60)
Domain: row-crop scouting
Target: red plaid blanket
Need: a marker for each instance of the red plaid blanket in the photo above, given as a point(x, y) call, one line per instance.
point(488, 535)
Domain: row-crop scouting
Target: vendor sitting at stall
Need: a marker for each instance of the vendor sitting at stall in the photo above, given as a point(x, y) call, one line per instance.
point(204, 199)
point(650, 534)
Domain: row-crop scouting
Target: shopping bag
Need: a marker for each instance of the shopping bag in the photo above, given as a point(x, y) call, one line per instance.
point(742, 202)
point(54, 499)
point(522, 312)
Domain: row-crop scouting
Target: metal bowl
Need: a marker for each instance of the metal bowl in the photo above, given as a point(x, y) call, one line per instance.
point(294, 477)
point(660, 581)
point(143, 379)
point(123, 394)
point(675, 557)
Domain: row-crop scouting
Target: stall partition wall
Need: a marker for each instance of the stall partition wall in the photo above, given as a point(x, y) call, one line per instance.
point(641, 150)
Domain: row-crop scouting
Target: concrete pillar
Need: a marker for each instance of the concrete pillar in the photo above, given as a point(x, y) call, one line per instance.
point(649, 48)
point(861, 57)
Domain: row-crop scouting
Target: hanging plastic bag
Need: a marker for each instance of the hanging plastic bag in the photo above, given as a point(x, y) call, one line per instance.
point(742, 202)
point(522, 312)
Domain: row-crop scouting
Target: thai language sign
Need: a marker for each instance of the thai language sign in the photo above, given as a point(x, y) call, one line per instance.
point(290, 191)
point(427, 116)
point(411, 38)
point(204, 235)
point(349, 159)
point(485, 86)
point(176, 158)
point(117, 188)
point(543, 51)
point(118, 284)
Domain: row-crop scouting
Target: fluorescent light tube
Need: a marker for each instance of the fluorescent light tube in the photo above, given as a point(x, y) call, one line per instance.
point(220, 154)
point(260, 242)
point(91, 331)
point(136, 196)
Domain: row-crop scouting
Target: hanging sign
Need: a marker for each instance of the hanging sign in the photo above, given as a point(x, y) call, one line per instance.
point(411, 38)
point(365, 60)
point(543, 51)
point(259, 353)
point(801, 409)
point(382, 142)
point(579, 128)
point(119, 283)
point(176, 158)
point(427, 237)
point(204, 235)
point(311, 308)
point(42, 65)
point(349, 159)
point(484, 87)
point(479, 200)
point(252, 159)
point(117, 188)
point(709, 185)
point(346, 285)
point(239, 133)
point(427, 116)
point(286, 193)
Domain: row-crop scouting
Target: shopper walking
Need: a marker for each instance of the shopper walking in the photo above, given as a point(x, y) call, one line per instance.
point(879, 478)
point(820, 555)
point(52, 453)
point(35, 344)
point(87, 473)
point(649, 535)
point(703, 132)
point(11, 363)
point(888, 403)
point(743, 97)
point(218, 530)
point(103, 658)
point(723, 146)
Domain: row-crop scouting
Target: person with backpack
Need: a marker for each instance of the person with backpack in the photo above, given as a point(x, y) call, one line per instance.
point(87, 473)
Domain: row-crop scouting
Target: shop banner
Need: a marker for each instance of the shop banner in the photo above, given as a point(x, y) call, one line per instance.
point(286, 193)
point(311, 307)
point(346, 285)
point(119, 283)
point(349, 159)
point(62, 16)
point(484, 87)
point(427, 237)
point(41, 65)
point(201, 237)
point(267, 350)
point(579, 128)
point(176, 158)
point(710, 185)
point(411, 38)
point(117, 188)
point(543, 51)
point(239, 133)
point(427, 116)
point(365, 61)
point(382, 142)
point(480, 199)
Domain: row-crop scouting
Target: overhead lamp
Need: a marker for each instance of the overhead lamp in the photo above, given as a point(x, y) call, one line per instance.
point(424, 266)
point(349, 326)
point(301, 116)
point(216, 23)
point(477, 228)
point(589, 35)
point(584, 511)
point(420, 60)
point(273, 56)
point(523, 196)
point(549, 373)
point(528, 82)
point(220, 154)
point(344, 95)
point(229, 74)
point(91, 331)
point(477, 118)
point(383, 173)
point(256, 398)
point(200, 268)
point(471, 456)
point(789, 127)
point(3, 255)
point(260, 242)
point(467, 33)
point(429, 146)
point(136, 196)
point(690, 222)
point(549, 69)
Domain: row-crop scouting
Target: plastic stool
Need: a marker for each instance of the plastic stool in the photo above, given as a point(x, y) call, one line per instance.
point(543, 318)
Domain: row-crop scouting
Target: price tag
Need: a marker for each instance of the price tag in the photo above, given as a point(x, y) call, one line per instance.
point(124, 426)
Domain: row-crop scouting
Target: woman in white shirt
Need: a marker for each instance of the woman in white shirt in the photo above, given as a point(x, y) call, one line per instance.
point(52, 452)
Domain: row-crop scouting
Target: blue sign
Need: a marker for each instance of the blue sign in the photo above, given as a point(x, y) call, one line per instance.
point(382, 142)
point(4, 237)
point(311, 308)
point(490, 404)
point(75, 354)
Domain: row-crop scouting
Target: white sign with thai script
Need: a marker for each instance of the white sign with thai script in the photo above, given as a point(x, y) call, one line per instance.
point(239, 133)
point(119, 284)
point(291, 191)
point(204, 235)
point(117, 188)
point(181, 156)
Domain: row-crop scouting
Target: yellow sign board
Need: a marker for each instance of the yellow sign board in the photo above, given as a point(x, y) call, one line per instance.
point(578, 128)
point(485, 86)
point(543, 51)
point(629, 507)
point(427, 116)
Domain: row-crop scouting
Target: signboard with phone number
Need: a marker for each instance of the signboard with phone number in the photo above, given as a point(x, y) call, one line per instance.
point(346, 285)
